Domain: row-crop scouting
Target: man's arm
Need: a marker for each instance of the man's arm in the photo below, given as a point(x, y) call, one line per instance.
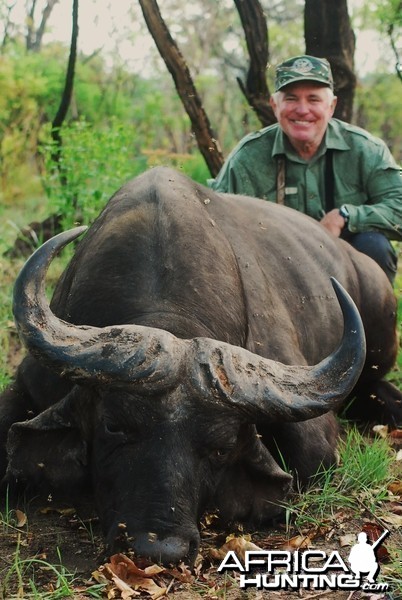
point(377, 205)
point(383, 211)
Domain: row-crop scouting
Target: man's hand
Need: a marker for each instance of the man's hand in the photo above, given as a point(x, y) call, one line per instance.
point(334, 222)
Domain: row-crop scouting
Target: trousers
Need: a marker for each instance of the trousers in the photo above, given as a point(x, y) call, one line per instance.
point(378, 247)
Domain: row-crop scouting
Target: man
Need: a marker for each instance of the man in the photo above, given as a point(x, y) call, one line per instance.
point(335, 172)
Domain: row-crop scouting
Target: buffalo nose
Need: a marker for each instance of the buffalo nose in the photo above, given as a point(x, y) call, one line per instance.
point(168, 550)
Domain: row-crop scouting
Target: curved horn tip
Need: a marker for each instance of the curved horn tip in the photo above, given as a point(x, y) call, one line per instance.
point(349, 309)
point(41, 258)
point(53, 245)
point(339, 289)
point(65, 237)
point(344, 298)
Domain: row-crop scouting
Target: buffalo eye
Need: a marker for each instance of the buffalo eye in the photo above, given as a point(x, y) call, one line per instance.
point(220, 455)
point(114, 429)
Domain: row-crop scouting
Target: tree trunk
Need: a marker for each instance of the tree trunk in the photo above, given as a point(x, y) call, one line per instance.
point(328, 34)
point(186, 89)
point(34, 38)
point(6, 28)
point(30, 26)
point(44, 230)
point(390, 32)
point(42, 26)
point(255, 88)
point(68, 90)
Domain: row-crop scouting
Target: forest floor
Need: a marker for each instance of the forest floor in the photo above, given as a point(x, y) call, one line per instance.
point(51, 549)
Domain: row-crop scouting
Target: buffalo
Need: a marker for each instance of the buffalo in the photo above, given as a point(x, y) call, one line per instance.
point(191, 358)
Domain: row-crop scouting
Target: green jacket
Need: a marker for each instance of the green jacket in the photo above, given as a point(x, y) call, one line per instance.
point(366, 177)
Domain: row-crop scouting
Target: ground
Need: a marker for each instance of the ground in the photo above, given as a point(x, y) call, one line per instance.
point(50, 533)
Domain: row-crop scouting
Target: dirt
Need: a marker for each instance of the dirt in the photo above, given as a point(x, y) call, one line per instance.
point(57, 533)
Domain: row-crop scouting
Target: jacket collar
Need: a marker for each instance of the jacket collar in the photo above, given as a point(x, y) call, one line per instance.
point(333, 140)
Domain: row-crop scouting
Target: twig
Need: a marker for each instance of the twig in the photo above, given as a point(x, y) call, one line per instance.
point(320, 594)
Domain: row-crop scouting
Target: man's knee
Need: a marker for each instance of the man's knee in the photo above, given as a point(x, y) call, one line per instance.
point(379, 248)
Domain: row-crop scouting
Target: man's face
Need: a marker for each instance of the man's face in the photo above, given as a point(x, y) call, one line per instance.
point(303, 110)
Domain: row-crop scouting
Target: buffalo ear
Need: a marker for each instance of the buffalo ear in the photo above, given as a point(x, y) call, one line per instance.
point(50, 451)
point(254, 487)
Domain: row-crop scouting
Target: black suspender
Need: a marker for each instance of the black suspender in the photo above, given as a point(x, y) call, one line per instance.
point(329, 181)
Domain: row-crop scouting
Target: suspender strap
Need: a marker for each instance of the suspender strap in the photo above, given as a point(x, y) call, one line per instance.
point(280, 179)
point(329, 181)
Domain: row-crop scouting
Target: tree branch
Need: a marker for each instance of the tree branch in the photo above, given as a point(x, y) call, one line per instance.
point(169, 51)
point(398, 65)
point(255, 89)
point(41, 29)
point(328, 34)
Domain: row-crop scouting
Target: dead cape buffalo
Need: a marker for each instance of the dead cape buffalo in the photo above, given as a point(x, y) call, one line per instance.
point(191, 358)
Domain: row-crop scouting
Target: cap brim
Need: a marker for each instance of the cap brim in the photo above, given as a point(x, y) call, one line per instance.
point(304, 78)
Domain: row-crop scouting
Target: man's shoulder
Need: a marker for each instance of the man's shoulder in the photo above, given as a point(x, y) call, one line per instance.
point(262, 137)
point(356, 135)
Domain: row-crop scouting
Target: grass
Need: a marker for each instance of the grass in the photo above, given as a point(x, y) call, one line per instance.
point(362, 477)
point(354, 491)
point(24, 579)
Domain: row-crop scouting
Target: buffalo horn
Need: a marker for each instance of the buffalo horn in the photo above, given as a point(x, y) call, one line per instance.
point(279, 392)
point(156, 360)
point(127, 353)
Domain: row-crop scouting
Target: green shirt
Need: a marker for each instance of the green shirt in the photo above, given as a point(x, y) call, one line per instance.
point(367, 179)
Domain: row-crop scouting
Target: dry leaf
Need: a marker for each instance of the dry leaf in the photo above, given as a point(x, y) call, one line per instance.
point(395, 488)
point(128, 578)
point(381, 430)
point(125, 590)
point(395, 507)
point(22, 519)
point(181, 573)
point(398, 455)
point(239, 545)
point(99, 577)
point(297, 542)
point(64, 512)
point(210, 518)
point(374, 532)
point(395, 520)
point(396, 433)
point(347, 540)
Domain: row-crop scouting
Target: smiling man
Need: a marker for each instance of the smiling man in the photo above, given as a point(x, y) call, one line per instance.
point(332, 171)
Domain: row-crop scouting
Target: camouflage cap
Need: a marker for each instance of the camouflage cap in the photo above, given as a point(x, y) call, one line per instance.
point(303, 68)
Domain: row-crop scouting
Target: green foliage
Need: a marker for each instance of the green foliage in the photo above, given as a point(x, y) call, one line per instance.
point(7, 329)
point(378, 109)
point(365, 465)
point(380, 14)
point(123, 111)
point(95, 162)
point(361, 478)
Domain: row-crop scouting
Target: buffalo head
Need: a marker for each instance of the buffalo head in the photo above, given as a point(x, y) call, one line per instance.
point(165, 427)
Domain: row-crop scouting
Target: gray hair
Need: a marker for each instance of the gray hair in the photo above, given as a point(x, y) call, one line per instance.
point(331, 95)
